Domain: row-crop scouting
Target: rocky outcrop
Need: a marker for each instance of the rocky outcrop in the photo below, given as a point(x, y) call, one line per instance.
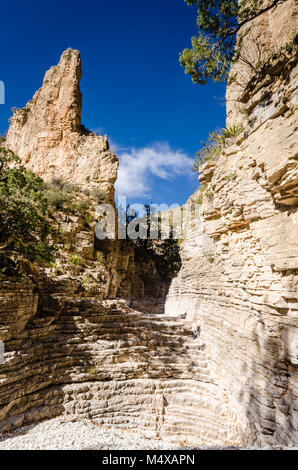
point(216, 363)
point(102, 360)
point(239, 278)
point(48, 136)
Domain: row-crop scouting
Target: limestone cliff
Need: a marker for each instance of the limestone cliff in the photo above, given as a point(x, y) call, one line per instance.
point(48, 136)
point(266, 36)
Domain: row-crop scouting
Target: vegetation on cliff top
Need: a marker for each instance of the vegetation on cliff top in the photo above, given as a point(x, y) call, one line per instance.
point(216, 46)
point(212, 148)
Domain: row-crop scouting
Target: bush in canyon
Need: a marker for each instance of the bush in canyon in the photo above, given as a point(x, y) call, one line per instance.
point(56, 199)
point(164, 252)
point(24, 226)
point(58, 192)
point(98, 194)
point(210, 149)
point(75, 259)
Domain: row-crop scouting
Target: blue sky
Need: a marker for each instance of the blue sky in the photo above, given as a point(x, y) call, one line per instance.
point(133, 86)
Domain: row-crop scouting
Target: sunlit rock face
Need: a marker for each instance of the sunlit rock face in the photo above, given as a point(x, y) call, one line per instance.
point(48, 136)
point(92, 341)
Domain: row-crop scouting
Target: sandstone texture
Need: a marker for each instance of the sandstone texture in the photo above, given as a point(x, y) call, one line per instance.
point(48, 136)
point(239, 278)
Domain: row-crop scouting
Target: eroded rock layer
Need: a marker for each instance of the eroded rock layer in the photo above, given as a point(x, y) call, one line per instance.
point(73, 347)
point(239, 278)
point(84, 357)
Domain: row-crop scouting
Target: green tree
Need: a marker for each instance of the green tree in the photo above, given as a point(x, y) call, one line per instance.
point(216, 45)
point(164, 252)
point(24, 227)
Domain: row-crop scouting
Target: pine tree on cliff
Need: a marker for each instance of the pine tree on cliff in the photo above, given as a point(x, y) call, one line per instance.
point(215, 47)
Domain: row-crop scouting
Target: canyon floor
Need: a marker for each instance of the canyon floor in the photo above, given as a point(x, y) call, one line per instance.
point(62, 434)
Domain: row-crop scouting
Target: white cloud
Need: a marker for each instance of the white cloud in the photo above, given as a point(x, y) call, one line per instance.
point(138, 166)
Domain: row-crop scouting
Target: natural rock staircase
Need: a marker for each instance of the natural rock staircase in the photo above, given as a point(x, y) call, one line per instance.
point(84, 357)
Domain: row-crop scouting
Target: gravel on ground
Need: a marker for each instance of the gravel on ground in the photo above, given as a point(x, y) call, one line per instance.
point(83, 434)
point(60, 434)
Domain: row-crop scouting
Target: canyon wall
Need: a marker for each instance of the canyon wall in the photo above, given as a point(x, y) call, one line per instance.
point(239, 279)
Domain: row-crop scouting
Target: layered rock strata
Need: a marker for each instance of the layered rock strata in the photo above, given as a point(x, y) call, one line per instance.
point(83, 357)
point(73, 347)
